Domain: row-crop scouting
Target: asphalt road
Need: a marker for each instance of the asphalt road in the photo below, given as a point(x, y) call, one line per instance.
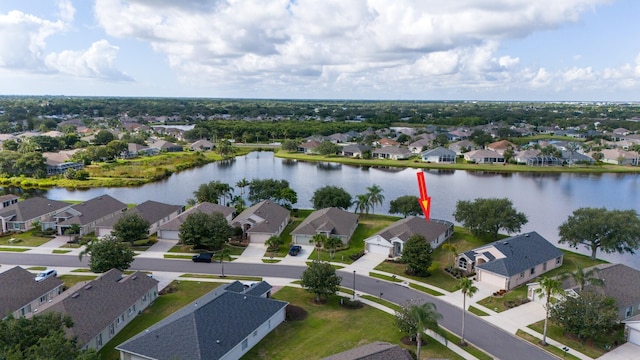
point(501, 344)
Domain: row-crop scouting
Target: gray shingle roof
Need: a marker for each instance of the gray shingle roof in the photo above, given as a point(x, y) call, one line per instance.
point(271, 214)
point(31, 208)
point(333, 220)
point(204, 207)
point(94, 209)
point(438, 152)
point(621, 282)
point(99, 302)
point(18, 288)
point(522, 252)
point(411, 225)
point(207, 328)
point(150, 210)
point(375, 351)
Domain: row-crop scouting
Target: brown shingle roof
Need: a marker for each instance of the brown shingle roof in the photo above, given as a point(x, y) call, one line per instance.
point(204, 207)
point(333, 220)
point(375, 351)
point(405, 228)
point(268, 217)
point(150, 210)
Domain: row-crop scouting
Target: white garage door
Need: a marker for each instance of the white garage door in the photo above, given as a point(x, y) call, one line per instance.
point(169, 234)
point(491, 279)
point(378, 249)
point(259, 238)
point(634, 336)
point(103, 232)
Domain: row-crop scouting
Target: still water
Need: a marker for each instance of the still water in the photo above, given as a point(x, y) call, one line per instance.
point(547, 200)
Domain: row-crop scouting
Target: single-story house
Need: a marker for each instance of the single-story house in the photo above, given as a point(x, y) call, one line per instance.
point(462, 146)
point(620, 157)
point(163, 145)
point(483, 156)
point(21, 295)
point(102, 307)
point(501, 146)
point(390, 240)
point(201, 145)
point(511, 262)
point(391, 152)
point(424, 142)
point(88, 214)
point(224, 324)
point(171, 230)
point(439, 155)
point(309, 147)
point(355, 150)
point(632, 329)
point(377, 350)
point(21, 215)
point(262, 221)
point(134, 150)
point(330, 222)
point(59, 162)
point(156, 213)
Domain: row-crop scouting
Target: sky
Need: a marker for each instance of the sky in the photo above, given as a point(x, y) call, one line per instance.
point(486, 50)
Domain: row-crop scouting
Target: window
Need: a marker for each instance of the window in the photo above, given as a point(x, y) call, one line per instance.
point(144, 298)
point(16, 226)
point(558, 260)
point(255, 333)
point(533, 271)
point(245, 344)
point(112, 329)
point(544, 267)
point(120, 319)
point(521, 274)
point(462, 263)
point(43, 299)
point(99, 340)
point(628, 311)
point(131, 310)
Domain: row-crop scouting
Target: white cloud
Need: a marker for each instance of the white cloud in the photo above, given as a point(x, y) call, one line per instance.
point(95, 62)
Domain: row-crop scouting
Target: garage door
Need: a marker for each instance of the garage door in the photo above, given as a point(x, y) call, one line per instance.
point(169, 234)
point(491, 279)
point(378, 249)
point(259, 238)
point(634, 336)
point(103, 232)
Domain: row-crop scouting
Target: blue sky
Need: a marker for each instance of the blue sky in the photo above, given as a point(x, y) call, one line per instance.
point(543, 50)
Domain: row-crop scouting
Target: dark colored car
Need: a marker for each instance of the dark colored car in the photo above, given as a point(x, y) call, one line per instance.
point(295, 250)
point(202, 257)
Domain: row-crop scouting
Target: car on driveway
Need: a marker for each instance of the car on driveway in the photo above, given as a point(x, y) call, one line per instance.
point(46, 274)
point(295, 250)
point(202, 257)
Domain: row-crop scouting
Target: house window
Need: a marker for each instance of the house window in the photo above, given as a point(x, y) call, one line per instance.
point(120, 319)
point(16, 226)
point(99, 340)
point(544, 267)
point(245, 344)
point(43, 299)
point(462, 263)
point(558, 260)
point(130, 311)
point(144, 298)
point(112, 329)
point(533, 271)
point(628, 311)
point(521, 275)
point(255, 333)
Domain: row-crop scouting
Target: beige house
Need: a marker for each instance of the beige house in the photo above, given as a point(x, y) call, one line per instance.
point(330, 222)
point(262, 221)
point(156, 213)
point(390, 240)
point(511, 262)
point(171, 230)
point(21, 295)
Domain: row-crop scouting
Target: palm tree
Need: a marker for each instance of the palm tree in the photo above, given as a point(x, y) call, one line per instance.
point(583, 278)
point(224, 254)
point(362, 203)
point(318, 239)
point(242, 183)
point(375, 196)
point(451, 250)
point(332, 244)
point(548, 287)
point(468, 289)
point(416, 318)
point(572, 147)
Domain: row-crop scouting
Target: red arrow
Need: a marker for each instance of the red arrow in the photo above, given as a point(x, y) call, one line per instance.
point(425, 199)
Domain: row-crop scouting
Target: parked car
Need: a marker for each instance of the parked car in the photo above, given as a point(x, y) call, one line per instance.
point(202, 257)
point(46, 274)
point(295, 250)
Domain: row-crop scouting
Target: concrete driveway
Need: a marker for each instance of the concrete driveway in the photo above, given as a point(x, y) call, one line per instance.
point(626, 351)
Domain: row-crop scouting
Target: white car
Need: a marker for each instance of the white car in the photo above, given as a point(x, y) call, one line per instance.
point(46, 274)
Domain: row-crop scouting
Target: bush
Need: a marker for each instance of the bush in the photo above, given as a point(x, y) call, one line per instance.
point(357, 255)
point(351, 304)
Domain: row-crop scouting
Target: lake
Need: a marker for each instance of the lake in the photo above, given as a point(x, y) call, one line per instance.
point(546, 199)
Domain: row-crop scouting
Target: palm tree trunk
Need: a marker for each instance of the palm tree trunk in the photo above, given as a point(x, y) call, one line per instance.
point(546, 318)
point(419, 341)
point(464, 309)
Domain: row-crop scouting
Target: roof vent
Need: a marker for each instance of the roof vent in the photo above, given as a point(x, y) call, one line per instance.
point(134, 277)
point(245, 298)
point(75, 295)
point(526, 235)
point(88, 287)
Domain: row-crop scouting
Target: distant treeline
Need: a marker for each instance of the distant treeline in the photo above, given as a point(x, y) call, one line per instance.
point(385, 113)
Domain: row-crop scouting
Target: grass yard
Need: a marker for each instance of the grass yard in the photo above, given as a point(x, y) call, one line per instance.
point(70, 280)
point(330, 328)
point(227, 277)
point(13, 249)
point(233, 250)
point(162, 307)
point(550, 348)
point(593, 349)
point(24, 239)
point(499, 304)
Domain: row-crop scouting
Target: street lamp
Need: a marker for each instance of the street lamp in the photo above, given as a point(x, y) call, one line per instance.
point(565, 349)
point(354, 285)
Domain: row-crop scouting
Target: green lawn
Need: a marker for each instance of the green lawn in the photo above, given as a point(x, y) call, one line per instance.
point(70, 280)
point(162, 307)
point(550, 348)
point(499, 304)
point(24, 239)
point(204, 276)
point(330, 328)
point(13, 249)
point(593, 349)
point(233, 250)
